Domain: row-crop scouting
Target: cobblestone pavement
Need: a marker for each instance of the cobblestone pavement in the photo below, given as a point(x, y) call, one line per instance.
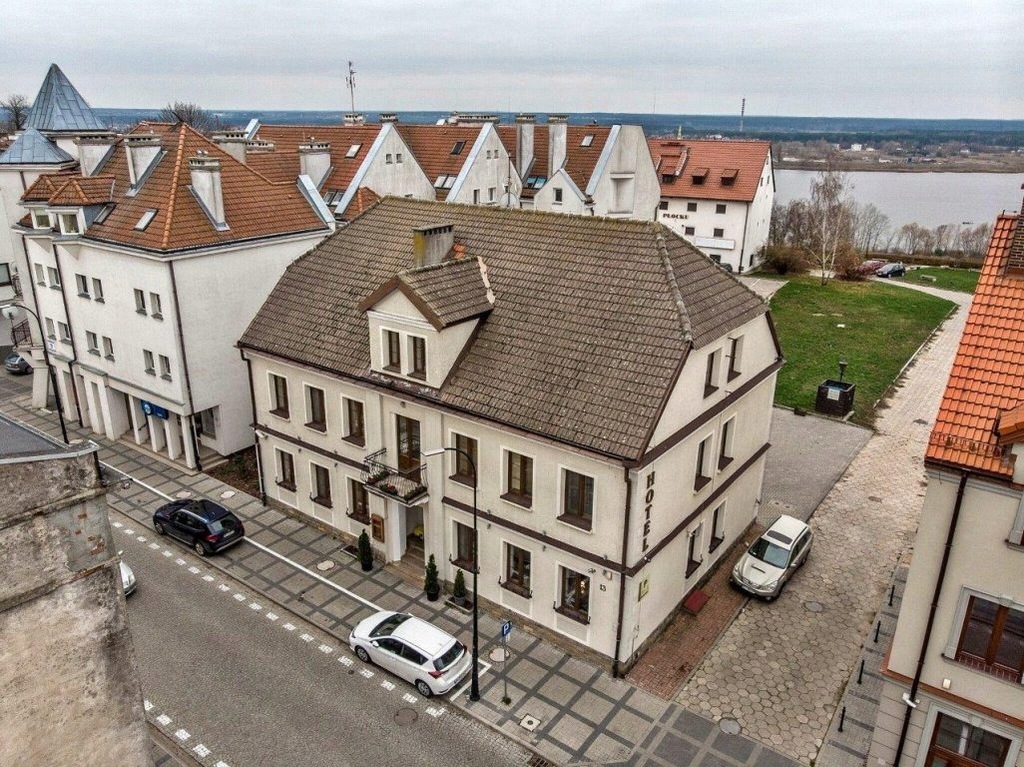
point(781, 667)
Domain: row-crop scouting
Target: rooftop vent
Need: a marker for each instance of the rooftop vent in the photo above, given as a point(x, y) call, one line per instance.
point(430, 244)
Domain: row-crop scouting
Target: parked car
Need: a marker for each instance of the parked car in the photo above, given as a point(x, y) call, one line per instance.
point(869, 267)
point(895, 269)
point(128, 582)
point(772, 559)
point(17, 364)
point(412, 649)
point(204, 525)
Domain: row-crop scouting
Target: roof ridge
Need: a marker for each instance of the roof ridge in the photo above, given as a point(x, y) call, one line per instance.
point(677, 296)
point(173, 198)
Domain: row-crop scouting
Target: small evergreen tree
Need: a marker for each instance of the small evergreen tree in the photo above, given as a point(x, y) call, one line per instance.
point(430, 581)
point(459, 589)
point(365, 552)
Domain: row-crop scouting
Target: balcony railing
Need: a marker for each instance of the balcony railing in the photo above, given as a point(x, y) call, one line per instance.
point(21, 335)
point(405, 486)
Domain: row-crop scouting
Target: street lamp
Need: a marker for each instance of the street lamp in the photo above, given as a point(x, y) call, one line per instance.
point(474, 688)
point(46, 358)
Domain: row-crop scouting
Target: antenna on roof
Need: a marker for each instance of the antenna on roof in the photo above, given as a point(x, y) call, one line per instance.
point(743, 109)
point(350, 81)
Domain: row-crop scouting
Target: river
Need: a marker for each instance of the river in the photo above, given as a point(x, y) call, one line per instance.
point(930, 199)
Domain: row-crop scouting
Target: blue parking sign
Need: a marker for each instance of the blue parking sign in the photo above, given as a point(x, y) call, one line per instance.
point(506, 629)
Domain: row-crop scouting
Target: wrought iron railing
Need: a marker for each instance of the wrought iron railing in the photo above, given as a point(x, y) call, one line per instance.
point(21, 334)
point(404, 485)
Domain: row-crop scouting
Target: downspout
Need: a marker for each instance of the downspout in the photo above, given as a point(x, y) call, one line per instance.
point(184, 363)
point(67, 314)
point(252, 401)
point(743, 242)
point(911, 699)
point(622, 575)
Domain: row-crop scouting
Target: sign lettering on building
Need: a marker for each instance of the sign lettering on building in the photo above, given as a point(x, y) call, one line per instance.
point(680, 216)
point(648, 505)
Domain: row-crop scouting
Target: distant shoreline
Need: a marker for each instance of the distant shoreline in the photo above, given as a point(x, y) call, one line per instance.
point(899, 168)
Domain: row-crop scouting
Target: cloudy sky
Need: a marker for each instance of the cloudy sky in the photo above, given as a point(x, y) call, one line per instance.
point(873, 58)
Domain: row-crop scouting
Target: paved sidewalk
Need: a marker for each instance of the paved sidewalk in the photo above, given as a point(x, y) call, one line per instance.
point(780, 668)
point(583, 716)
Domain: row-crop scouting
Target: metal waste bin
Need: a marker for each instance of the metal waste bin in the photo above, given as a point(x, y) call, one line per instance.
point(835, 398)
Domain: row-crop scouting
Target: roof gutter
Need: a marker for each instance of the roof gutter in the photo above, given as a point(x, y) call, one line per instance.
point(910, 699)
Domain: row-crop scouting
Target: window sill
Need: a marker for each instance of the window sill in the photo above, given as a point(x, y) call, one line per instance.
point(94, 351)
point(99, 300)
point(362, 518)
point(354, 440)
point(418, 376)
point(463, 564)
point(319, 426)
point(709, 390)
point(577, 615)
point(396, 369)
point(700, 483)
point(290, 486)
point(156, 316)
point(1002, 674)
point(462, 479)
point(150, 371)
point(141, 311)
point(732, 375)
point(724, 461)
point(166, 377)
point(85, 295)
point(715, 543)
point(321, 501)
point(577, 522)
point(693, 566)
point(56, 287)
point(517, 589)
point(109, 357)
point(283, 414)
point(523, 501)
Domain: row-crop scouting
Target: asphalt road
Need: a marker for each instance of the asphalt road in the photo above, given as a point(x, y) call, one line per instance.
point(252, 692)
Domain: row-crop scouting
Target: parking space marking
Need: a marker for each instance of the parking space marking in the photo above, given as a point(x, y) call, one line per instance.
point(208, 578)
point(154, 546)
point(345, 660)
point(147, 705)
point(326, 649)
point(409, 698)
point(255, 606)
point(168, 553)
point(194, 570)
point(116, 524)
point(201, 751)
point(366, 672)
point(224, 587)
point(289, 627)
point(240, 597)
point(271, 616)
point(179, 561)
point(387, 685)
point(182, 735)
point(140, 538)
point(306, 637)
point(164, 719)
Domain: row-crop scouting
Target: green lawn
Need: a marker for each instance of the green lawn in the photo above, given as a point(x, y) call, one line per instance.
point(960, 280)
point(884, 325)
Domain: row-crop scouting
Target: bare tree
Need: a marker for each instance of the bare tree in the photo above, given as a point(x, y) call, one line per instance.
point(871, 226)
point(15, 108)
point(191, 114)
point(830, 218)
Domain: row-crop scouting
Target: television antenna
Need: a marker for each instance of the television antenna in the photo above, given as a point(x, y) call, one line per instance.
point(350, 81)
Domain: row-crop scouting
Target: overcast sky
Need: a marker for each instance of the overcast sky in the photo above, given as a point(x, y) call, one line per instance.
point(872, 58)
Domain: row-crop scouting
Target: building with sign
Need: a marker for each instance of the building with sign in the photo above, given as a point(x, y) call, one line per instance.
point(718, 194)
point(612, 384)
point(145, 258)
point(954, 675)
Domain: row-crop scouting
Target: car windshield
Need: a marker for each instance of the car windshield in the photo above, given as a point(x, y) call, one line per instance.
point(767, 551)
point(215, 526)
point(453, 654)
point(387, 626)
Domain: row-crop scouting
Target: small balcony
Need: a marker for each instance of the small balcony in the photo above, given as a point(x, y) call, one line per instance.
point(403, 485)
point(21, 335)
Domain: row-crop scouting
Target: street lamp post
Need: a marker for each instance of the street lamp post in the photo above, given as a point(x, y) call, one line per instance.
point(49, 367)
point(474, 687)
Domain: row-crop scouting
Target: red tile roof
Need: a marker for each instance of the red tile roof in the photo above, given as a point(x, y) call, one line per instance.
point(79, 190)
point(364, 199)
point(432, 147)
point(44, 187)
point(580, 160)
point(681, 159)
point(986, 379)
point(282, 163)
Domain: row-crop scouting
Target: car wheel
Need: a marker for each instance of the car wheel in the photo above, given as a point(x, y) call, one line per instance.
point(424, 688)
point(200, 548)
point(159, 527)
point(363, 655)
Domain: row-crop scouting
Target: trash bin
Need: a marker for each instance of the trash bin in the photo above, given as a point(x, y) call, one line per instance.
point(835, 398)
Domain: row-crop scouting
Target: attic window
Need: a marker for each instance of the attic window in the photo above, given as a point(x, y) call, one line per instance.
point(103, 214)
point(729, 176)
point(146, 219)
point(352, 151)
point(444, 182)
point(457, 149)
point(535, 182)
point(587, 140)
point(699, 174)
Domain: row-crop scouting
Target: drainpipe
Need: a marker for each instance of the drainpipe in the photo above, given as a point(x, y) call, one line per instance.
point(252, 401)
point(184, 363)
point(911, 699)
point(67, 314)
point(743, 242)
point(622, 575)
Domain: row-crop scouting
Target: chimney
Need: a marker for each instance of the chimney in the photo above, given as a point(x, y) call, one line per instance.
point(92, 150)
point(315, 160)
point(234, 143)
point(430, 244)
point(143, 149)
point(557, 137)
point(207, 188)
point(354, 118)
point(474, 118)
point(524, 142)
point(388, 117)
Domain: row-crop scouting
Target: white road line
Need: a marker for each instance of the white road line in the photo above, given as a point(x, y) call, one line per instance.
point(240, 597)
point(194, 570)
point(201, 751)
point(221, 764)
point(179, 561)
point(183, 735)
point(224, 587)
point(147, 705)
point(209, 578)
point(484, 668)
point(387, 685)
point(116, 524)
point(271, 616)
point(311, 574)
point(167, 553)
point(366, 672)
point(289, 627)
point(306, 638)
point(409, 698)
point(128, 531)
point(164, 719)
point(326, 649)
point(435, 712)
point(255, 606)
point(154, 546)
point(138, 482)
point(141, 538)
point(344, 660)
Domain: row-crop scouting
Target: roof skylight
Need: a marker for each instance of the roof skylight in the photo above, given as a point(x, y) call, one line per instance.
point(146, 219)
point(457, 149)
point(587, 140)
point(352, 151)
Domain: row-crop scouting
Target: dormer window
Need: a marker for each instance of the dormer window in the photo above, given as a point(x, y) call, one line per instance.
point(698, 176)
point(69, 223)
point(419, 357)
point(145, 220)
point(729, 176)
point(352, 151)
point(457, 148)
point(587, 140)
point(393, 351)
point(41, 220)
point(444, 181)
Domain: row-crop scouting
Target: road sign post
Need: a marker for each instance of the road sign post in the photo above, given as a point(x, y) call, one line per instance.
point(506, 630)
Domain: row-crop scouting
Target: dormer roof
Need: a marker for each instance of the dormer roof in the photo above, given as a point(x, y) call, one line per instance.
point(44, 187)
point(281, 163)
point(59, 107)
point(709, 169)
point(82, 191)
point(33, 148)
point(581, 153)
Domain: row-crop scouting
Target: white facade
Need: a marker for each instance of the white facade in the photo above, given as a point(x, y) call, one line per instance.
point(389, 168)
point(486, 173)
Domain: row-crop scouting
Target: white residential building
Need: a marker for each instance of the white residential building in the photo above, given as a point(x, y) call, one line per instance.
point(718, 194)
point(616, 407)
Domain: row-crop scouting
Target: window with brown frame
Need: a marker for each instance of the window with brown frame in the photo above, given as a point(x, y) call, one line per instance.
point(419, 357)
point(578, 499)
point(393, 351)
point(360, 501)
point(321, 485)
point(725, 444)
point(519, 479)
point(463, 546)
point(711, 374)
point(693, 551)
point(956, 743)
point(285, 470)
point(355, 427)
point(702, 473)
point(517, 570)
point(465, 459)
point(574, 599)
point(735, 357)
point(717, 527)
point(992, 639)
point(316, 413)
point(279, 395)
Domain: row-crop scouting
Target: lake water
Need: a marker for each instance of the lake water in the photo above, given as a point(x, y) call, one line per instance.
point(930, 199)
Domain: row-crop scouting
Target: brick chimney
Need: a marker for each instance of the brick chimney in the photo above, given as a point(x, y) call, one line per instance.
point(206, 186)
point(525, 125)
point(315, 160)
point(92, 150)
point(558, 131)
point(142, 149)
point(430, 244)
point(234, 143)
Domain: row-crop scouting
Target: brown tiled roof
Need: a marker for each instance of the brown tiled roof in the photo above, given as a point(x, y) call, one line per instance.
point(986, 379)
point(364, 199)
point(741, 160)
point(580, 160)
point(432, 146)
point(591, 318)
point(282, 164)
point(90, 190)
point(253, 206)
point(44, 187)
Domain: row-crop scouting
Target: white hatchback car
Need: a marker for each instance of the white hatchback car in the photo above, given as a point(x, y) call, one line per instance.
point(773, 558)
point(412, 649)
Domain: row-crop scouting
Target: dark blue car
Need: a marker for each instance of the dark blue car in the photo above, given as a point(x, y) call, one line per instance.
point(204, 525)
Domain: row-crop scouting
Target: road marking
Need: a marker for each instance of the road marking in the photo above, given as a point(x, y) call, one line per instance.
point(344, 660)
point(164, 719)
point(129, 531)
point(154, 546)
point(326, 649)
point(387, 685)
point(255, 606)
point(194, 570)
point(182, 735)
point(147, 705)
point(221, 764)
point(311, 574)
point(224, 587)
point(435, 712)
point(240, 597)
point(409, 698)
point(366, 672)
point(179, 561)
point(201, 751)
point(117, 524)
point(271, 616)
point(484, 668)
point(141, 538)
point(306, 638)
point(168, 553)
point(138, 482)
point(289, 627)
point(208, 578)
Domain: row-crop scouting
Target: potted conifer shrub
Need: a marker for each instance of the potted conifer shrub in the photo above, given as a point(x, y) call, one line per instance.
point(365, 552)
point(431, 584)
point(459, 589)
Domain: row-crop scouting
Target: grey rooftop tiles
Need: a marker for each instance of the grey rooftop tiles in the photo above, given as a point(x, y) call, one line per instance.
point(60, 107)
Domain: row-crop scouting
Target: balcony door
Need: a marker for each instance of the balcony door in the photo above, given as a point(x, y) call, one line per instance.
point(408, 440)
